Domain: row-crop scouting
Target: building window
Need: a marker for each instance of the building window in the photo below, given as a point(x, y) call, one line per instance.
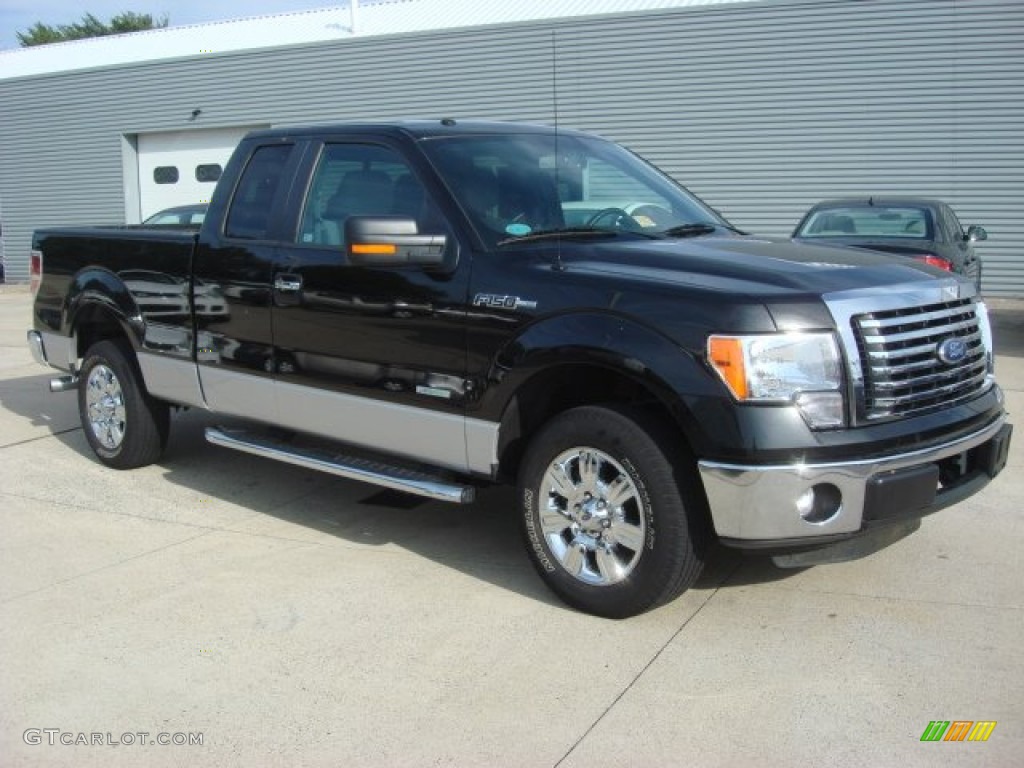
point(208, 172)
point(165, 174)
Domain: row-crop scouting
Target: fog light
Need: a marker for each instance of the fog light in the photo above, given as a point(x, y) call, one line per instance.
point(819, 503)
point(821, 410)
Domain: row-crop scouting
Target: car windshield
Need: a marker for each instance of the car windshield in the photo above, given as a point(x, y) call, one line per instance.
point(868, 221)
point(523, 186)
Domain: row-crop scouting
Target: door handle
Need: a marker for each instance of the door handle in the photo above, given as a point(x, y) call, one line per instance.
point(288, 283)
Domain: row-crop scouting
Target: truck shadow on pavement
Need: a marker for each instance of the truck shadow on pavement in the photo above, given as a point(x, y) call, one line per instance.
point(247, 494)
point(30, 399)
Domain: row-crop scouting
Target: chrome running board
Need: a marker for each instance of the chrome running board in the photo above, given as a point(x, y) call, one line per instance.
point(350, 467)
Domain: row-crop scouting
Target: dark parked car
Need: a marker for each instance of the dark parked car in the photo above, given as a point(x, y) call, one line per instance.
point(182, 215)
point(923, 229)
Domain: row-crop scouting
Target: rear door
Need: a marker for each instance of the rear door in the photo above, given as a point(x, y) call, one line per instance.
point(232, 285)
point(372, 355)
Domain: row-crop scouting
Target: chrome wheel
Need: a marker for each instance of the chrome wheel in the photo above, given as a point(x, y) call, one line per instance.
point(592, 516)
point(104, 399)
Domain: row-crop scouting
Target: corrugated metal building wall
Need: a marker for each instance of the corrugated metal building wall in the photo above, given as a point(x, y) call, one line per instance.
point(761, 109)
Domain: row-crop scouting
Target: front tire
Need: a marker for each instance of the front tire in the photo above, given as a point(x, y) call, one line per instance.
point(125, 427)
point(610, 512)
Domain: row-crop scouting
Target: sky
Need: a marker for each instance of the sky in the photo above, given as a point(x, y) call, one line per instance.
point(19, 15)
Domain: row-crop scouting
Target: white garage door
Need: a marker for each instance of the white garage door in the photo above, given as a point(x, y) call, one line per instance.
point(182, 167)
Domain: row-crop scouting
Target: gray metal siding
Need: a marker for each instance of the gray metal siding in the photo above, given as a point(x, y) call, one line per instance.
point(761, 109)
point(764, 110)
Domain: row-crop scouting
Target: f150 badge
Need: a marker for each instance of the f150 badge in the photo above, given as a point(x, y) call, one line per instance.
point(502, 302)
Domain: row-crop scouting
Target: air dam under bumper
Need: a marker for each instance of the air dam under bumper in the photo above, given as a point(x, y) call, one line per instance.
point(800, 506)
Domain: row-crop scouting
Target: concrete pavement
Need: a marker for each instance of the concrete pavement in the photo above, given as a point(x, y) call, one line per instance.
point(289, 618)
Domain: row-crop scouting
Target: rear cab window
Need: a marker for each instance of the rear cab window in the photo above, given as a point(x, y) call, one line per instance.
point(259, 190)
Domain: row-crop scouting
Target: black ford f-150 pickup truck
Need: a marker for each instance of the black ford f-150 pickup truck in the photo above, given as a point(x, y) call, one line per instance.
point(434, 305)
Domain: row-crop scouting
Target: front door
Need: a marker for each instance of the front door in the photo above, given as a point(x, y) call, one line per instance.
point(374, 356)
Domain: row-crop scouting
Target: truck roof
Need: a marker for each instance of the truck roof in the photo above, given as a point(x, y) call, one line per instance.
point(416, 129)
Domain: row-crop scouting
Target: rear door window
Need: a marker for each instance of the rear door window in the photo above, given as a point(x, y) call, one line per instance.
point(259, 187)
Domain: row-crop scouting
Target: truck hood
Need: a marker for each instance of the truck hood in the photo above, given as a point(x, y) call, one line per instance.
point(743, 265)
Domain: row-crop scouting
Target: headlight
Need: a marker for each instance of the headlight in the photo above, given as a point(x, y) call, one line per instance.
point(804, 369)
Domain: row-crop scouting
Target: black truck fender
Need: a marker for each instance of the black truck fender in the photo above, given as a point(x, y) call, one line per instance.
point(100, 306)
point(546, 370)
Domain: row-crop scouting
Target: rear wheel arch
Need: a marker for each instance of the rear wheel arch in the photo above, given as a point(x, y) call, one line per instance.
point(100, 306)
point(94, 322)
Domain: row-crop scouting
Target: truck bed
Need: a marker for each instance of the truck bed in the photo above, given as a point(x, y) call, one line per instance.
point(147, 268)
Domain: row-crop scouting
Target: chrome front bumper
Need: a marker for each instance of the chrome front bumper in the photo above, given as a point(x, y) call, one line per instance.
point(799, 503)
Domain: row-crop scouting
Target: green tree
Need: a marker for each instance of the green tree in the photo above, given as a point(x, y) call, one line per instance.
point(89, 26)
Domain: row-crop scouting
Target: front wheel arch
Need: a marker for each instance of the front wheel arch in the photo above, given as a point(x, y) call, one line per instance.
point(559, 387)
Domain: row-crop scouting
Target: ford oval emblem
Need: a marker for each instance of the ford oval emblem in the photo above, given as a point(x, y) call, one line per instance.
point(951, 351)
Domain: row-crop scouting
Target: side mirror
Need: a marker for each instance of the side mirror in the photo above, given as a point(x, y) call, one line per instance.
point(976, 233)
point(391, 241)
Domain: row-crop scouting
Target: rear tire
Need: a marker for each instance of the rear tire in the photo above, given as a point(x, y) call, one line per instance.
point(610, 512)
point(125, 427)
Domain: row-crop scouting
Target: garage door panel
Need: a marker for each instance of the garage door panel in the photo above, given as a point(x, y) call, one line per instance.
point(182, 167)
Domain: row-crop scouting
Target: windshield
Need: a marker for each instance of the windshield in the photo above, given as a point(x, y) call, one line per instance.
point(512, 186)
point(868, 221)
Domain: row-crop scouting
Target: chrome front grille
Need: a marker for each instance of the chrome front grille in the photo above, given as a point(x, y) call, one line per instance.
point(899, 352)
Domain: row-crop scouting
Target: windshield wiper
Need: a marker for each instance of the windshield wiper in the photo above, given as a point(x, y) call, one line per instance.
point(585, 233)
point(731, 228)
point(690, 230)
point(698, 228)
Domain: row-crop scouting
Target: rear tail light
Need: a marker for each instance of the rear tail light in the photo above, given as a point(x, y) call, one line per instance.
point(935, 261)
point(35, 271)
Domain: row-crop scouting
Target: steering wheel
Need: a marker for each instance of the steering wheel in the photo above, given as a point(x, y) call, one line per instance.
point(651, 216)
point(622, 219)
